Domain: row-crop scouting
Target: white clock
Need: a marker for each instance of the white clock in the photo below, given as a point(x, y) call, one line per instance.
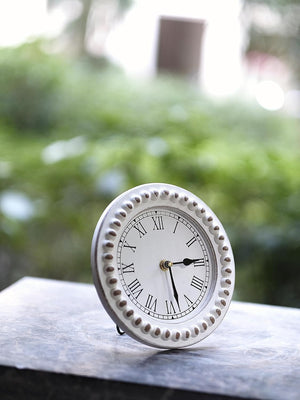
point(162, 265)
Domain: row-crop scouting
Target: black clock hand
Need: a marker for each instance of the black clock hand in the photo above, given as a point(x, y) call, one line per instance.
point(174, 288)
point(186, 261)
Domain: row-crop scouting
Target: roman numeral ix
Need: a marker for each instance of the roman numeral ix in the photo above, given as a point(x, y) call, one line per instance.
point(127, 268)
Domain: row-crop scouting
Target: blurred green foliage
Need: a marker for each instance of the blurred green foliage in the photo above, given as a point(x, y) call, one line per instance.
point(29, 82)
point(72, 137)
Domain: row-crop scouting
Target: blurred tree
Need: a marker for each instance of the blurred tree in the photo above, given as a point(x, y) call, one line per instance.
point(92, 17)
point(31, 83)
point(274, 28)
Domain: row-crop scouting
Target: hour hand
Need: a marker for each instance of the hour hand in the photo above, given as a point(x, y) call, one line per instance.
point(186, 261)
point(165, 264)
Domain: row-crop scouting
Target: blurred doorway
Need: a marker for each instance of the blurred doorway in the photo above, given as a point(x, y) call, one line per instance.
point(179, 46)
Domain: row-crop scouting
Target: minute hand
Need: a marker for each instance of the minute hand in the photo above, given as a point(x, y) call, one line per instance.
point(186, 261)
point(175, 293)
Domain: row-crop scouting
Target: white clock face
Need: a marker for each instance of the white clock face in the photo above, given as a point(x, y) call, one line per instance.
point(162, 265)
point(165, 264)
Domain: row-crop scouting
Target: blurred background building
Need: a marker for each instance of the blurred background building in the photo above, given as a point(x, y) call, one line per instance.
point(237, 46)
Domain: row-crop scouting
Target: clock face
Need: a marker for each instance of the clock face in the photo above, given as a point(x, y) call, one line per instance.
point(162, 265)
point(149, 243)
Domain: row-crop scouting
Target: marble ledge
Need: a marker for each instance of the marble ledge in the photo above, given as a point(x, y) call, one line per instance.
point(56, 336)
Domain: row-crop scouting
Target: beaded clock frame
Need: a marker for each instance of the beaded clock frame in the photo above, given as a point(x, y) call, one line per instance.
point(107, 279)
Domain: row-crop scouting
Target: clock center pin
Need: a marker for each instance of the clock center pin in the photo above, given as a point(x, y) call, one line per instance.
point(165, 265)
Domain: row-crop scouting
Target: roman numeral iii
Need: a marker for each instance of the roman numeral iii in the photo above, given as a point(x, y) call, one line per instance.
point(199, 263)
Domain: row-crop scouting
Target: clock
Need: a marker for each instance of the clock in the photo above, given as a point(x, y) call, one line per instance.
point(162, 265)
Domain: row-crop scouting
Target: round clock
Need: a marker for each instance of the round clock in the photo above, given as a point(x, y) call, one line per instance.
point(162, 265)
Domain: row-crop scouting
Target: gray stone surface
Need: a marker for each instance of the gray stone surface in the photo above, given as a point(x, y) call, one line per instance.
point(60, 327)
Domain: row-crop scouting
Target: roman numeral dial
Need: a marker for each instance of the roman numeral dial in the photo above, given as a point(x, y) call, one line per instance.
point(164, 263)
